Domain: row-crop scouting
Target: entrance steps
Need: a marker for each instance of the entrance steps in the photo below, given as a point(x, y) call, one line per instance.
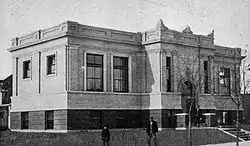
point(244, 135)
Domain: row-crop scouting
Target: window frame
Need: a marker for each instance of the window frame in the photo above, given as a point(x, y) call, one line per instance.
point(129, 71)
point(169, 73)
point(95, 66)
point(27, 71)
point(49, 66)
point(104, 68)
point(121, 68)
point(226, 75)
point(206, 77)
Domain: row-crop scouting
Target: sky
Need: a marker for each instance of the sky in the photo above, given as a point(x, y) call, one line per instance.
point(229, 18)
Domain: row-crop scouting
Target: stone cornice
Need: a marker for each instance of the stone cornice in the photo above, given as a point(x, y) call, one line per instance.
point(175, 36)
point(36, 42)
point(105, 39)
point(178, 42)
point(74, 29)
point(161, 34)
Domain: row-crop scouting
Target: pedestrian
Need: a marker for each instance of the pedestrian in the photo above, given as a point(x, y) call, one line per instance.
point(152, 129)
point(105, 135)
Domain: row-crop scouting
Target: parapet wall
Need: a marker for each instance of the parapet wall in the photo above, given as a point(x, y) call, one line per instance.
point(78, 30)
point(186, 37)
point(40, 35)
point(159, 34)
point(172, 36)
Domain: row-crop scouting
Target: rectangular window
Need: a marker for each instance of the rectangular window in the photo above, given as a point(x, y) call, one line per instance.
point(225, 81)
point(49, 120)
point(168, 71)
point(120, 74)
point(94, 72)
point(24, 120)
point(26, 69)
point(39, 72)
point(206, 77)
point(51, 64)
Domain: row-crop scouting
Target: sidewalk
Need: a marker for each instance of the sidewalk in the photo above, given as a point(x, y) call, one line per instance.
point(245, 143)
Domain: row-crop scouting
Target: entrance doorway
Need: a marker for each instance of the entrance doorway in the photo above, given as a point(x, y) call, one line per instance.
point(227, 118)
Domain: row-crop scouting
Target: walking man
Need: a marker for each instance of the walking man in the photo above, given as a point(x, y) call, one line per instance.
point(105, 135)
point(152, 129)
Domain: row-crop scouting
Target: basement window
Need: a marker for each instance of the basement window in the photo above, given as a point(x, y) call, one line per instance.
point(24, 120)
point(49, 120)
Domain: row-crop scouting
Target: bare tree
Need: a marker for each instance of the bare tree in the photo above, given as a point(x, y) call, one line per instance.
point(189, 83)
point(240, 87)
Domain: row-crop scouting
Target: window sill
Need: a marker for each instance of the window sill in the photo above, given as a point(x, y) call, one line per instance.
point(105, 92)
point(120, 92)
point(50, 75)
point(27, 79)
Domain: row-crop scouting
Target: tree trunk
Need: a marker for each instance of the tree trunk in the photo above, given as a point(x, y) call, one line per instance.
point(237, 125)
point(189, 125)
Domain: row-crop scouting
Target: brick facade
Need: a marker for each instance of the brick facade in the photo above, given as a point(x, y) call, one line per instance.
point(66, 94)
point(246, 106)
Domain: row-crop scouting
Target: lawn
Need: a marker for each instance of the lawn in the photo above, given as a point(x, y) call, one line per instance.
point(134, 137)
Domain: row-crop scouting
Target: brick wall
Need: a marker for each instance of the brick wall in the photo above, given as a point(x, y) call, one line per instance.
point(84, 119)
point(60, 119)
point(15, 120)
point(37, 120)
point(246, 106)
point(96, 119)
point(226, 103)
point(77, 62)
point(100, 100)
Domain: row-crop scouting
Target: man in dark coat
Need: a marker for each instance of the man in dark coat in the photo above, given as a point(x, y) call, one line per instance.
point(105, 135)
point(152, 129)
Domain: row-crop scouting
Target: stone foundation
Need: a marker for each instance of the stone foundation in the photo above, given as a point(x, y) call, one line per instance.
point(77, 119)
point(37, 120)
